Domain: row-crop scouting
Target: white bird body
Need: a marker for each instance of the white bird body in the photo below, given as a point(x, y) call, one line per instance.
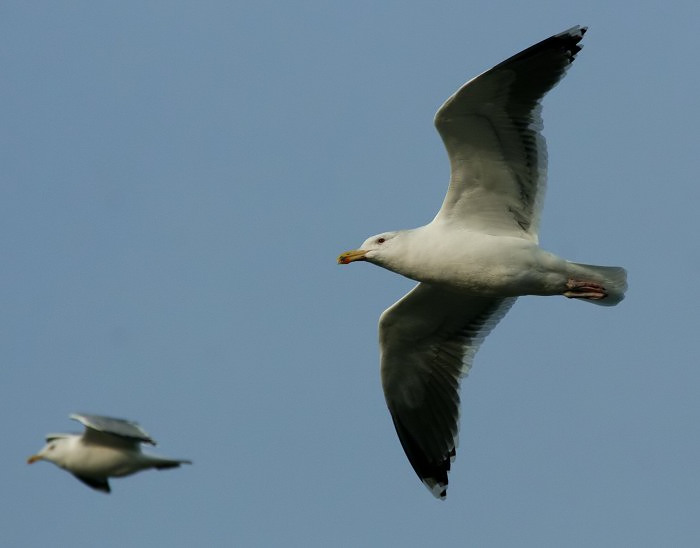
point(473, 262)
point(74, 454)
point(109, 448)
point(478, 254)
point(477, 263)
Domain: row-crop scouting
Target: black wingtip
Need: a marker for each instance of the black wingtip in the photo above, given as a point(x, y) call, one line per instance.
point(566, 43)
point(432, 474)
point(439, 491)
point(98, 484)
point(570, 40)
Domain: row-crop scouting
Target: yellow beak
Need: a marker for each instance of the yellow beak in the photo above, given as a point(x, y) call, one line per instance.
point(33, 459)
point(350, 256)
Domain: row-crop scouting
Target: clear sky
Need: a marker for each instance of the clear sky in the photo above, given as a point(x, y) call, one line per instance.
point(177, 181)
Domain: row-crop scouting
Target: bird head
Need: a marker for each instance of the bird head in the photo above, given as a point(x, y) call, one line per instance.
point(373, 249)
point(54, 450)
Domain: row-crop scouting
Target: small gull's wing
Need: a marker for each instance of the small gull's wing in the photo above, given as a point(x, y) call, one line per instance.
point(129, 431)
point(491, 130)
point(428, 340)
point(99, 484)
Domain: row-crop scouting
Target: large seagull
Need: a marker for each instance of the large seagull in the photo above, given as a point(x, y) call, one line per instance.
point(478, 254)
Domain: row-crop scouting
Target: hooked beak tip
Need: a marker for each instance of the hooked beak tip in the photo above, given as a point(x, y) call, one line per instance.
point(350, 256)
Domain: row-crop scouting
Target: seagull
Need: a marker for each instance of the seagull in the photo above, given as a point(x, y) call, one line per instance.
point(478, 254)
point(109, 447)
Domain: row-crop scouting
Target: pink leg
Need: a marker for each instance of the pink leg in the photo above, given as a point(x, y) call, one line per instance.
point(579, 289)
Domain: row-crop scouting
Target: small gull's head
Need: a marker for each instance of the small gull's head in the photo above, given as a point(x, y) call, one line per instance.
point(55, 450)
point(371, 250)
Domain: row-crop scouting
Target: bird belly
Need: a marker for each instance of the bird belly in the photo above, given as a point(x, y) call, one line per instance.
point(103, 462)
point(493, 266)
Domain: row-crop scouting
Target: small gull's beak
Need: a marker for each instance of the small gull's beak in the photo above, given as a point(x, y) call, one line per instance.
point(350, 256)
point(33, 459)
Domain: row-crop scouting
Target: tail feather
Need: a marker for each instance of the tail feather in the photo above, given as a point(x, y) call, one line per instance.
point(164, 464)
point(613, 278)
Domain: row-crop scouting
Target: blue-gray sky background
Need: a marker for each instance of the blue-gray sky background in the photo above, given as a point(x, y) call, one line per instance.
point(177, 181)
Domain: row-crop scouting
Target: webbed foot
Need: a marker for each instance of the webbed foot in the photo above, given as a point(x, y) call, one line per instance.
point(580, 289)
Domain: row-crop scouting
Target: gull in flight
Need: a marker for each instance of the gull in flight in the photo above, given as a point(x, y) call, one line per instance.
point(478, 254)
point(109, 447)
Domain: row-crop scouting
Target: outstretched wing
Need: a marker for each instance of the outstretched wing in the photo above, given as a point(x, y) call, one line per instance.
point(99, 484)
point(491, 130)
point(428, 340)
point(103, 428)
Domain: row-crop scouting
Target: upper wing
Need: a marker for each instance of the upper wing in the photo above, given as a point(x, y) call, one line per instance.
point(491, 129)
point(428, 340)
point(101, 428)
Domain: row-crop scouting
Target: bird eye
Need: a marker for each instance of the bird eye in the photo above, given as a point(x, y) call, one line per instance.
point(380, 240)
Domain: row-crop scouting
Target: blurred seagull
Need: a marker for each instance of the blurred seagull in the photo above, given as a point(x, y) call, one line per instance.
point(109, 447)
point(478, 254)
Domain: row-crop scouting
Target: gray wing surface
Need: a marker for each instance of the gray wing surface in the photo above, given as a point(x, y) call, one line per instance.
point(428, 340)
point(122, 428)
point(491, 129)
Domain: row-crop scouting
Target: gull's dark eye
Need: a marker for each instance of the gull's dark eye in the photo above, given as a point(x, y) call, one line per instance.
point(380, 240)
